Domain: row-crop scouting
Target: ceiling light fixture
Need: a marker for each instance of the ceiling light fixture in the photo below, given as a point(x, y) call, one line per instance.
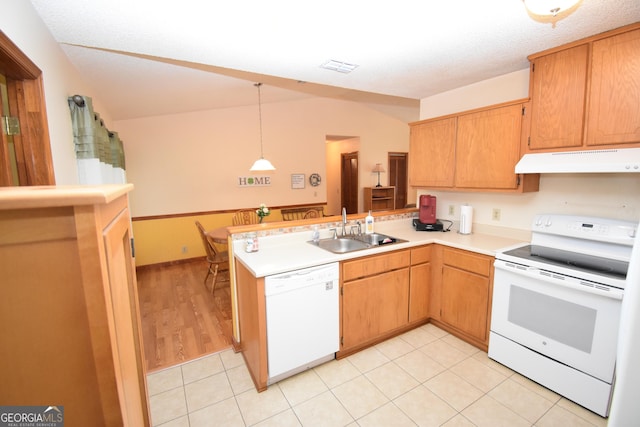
point(261, 164)
point(550, 10)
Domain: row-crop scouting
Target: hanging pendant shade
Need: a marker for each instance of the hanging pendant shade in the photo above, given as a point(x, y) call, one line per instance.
point(261, 164)
point(548, 7)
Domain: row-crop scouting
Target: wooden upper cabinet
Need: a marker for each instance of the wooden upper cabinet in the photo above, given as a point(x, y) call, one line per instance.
point(488, 148)
point(614, 107)
point(558, 86)
point(586, 95)
point(432, 146)
point(475, 150)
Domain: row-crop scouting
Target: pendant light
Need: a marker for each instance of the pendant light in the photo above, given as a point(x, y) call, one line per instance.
point(261, 164)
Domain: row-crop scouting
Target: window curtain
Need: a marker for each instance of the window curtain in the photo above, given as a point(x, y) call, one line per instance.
point(99, 152)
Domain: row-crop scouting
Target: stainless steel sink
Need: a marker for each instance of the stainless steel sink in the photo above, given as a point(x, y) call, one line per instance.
point(342, 245)
point(375, 239)
point(353, 243)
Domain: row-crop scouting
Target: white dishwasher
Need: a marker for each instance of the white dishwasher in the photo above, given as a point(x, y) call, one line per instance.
point(302, 319)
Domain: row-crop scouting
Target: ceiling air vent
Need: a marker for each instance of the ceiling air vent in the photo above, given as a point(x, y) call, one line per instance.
point(339, 66)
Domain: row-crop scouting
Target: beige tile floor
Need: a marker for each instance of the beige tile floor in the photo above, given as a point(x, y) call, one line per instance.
point(425, 377)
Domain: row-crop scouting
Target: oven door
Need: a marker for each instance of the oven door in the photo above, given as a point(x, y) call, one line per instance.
point(564, 318)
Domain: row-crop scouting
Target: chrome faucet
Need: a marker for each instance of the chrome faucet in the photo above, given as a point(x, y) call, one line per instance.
point(344, 221)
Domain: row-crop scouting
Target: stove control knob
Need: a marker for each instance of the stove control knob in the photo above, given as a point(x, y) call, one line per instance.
point(632, 233)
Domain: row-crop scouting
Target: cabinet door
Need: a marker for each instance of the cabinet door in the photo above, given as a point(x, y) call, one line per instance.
point(373, 306)
point(432, 147)
point(614, 115)
point(373, 265)
point(123, 315)
point(419, 292)
point(558, 90)
point(465, 301)
point(488, 148)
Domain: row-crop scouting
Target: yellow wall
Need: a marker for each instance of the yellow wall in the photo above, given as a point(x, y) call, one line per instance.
point(162, 240)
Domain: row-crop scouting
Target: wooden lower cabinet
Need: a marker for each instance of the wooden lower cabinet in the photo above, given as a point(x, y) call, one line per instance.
point(374, 298)
point(419, 284)
point(464, 295)
point(252, 321)
point(69, 308)
point(374, 306)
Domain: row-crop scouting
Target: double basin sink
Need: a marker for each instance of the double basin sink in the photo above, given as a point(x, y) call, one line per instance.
point(356, 242)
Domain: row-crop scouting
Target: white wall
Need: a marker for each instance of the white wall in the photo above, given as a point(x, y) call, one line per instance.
point(191, 162)
point(607, 195)
point(20, 22)
point(500, 89)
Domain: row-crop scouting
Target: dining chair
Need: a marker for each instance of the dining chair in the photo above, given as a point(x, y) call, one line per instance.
point(311, 213)
point(218, 260)
point(245, 216)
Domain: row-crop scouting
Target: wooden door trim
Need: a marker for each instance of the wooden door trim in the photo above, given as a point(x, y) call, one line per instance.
point(14, 63)
point(26, 101)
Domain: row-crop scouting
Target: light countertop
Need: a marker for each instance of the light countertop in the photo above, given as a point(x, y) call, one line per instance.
point(291, 251)
point(27, 197)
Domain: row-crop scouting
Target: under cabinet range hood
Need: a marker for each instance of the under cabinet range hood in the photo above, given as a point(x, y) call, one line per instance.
point(621, 160)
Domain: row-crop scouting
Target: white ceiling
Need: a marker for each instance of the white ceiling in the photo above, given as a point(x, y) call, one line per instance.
point(155, 57)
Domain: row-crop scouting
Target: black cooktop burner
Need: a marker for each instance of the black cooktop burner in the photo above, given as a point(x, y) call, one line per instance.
point(576, 261)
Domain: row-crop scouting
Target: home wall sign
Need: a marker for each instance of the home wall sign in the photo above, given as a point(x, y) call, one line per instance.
point(254, 181)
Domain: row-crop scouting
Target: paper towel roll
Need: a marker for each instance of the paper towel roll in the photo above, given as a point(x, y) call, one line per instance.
point(466, 219)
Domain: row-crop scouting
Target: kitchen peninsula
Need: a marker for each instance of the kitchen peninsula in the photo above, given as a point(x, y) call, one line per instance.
point(439, 277)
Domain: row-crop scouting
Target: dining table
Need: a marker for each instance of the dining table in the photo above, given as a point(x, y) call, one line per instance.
point(219, 235)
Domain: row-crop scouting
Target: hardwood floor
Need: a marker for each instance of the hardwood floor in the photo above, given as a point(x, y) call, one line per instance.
point(181, 320)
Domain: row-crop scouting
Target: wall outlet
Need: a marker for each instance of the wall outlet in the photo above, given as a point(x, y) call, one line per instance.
point(495, 214)
point(185, 249)
point(452, 210)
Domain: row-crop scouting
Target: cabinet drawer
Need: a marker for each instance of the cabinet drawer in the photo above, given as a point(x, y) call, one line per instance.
point(475, 263)
point(375, 265)
point(421, 255)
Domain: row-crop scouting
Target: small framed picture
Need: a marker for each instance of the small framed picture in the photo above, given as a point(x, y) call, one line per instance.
point(297, 180)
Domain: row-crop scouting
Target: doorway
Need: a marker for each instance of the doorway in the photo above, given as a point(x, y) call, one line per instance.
point(349, 181)
point(398, 177)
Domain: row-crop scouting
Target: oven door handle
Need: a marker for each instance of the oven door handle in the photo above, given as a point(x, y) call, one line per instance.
point(560, 280)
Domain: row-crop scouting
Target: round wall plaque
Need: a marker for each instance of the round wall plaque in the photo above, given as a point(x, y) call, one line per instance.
point(314, 179)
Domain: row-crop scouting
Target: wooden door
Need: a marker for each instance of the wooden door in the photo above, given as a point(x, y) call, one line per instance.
point(433, 149)
point(398, 169)
point(373, 306)
point(349, 182)
point(614, 116)
point(488, 148)
point(558, 89)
